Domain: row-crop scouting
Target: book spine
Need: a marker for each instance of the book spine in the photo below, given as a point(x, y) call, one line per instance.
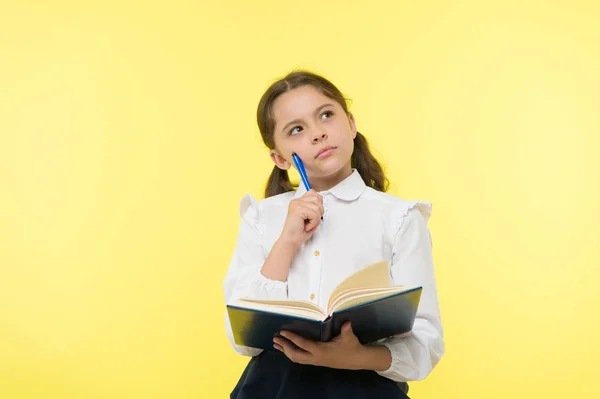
point(327, 329)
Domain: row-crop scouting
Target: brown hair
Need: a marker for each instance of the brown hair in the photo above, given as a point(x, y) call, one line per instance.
point(362, 159)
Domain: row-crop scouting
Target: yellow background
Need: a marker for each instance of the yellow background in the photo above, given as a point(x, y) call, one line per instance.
point(128, 137)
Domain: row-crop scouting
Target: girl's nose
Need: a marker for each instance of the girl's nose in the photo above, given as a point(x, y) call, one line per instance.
point(318, 136)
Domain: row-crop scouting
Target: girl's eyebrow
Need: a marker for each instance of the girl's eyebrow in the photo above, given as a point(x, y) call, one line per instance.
point(295, 121)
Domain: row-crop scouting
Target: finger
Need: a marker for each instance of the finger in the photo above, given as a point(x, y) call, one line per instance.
point(345, 333)
point(294, 353)
point(311, 192)
point(318, 208)
point(313, 222)
point(347, 329)
point(313, 199)
point(313, 202)
point(310, 213)
point(313, 196)
point(279, 343)
point(302, 204)
point(283, 342)
point(301, 342)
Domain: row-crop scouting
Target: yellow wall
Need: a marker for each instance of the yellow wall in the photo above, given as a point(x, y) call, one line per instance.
point(128, 138)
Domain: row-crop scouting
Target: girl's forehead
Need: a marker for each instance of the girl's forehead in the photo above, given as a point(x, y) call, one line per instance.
point(298, 102)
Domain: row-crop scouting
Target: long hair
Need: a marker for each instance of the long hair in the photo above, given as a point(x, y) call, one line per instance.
point(362, 159)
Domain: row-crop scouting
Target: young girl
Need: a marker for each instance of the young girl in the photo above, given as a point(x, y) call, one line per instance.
point(298, 244)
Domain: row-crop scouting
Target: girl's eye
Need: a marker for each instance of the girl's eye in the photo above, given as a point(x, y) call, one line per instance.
point(295, 130)
point(326, 114)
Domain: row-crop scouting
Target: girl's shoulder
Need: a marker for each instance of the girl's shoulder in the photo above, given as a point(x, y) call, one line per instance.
point(251, 208)
point(398, 208)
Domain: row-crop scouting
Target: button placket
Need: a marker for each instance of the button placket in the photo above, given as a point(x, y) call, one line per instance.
point(316, 261)
point(325, 204)
point(315, 269)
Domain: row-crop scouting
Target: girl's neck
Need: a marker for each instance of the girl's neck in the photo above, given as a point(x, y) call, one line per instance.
point(327, 182)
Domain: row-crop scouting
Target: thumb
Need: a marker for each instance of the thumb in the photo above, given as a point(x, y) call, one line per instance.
point(310, 226)
point(347, 329)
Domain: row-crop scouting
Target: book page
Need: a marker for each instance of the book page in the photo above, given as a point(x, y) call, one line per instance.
point(363, 296)
point(294, 308)
point(373, 276)
point(343, 295)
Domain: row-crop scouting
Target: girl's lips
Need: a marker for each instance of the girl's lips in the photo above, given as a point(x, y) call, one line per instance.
point(325, 152)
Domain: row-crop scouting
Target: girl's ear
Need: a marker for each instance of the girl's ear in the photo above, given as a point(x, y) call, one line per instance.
point(279, 160)
point(352, 125)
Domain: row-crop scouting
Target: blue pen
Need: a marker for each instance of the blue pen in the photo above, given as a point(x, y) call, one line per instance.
point(302, 171)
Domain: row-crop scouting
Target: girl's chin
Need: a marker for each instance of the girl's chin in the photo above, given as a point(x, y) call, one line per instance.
point(328, 167)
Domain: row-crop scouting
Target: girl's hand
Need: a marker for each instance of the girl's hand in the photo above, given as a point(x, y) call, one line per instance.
point(304, 216)
point(343, 352)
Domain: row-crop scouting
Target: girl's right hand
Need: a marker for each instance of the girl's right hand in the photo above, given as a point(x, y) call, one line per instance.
point(304, 216)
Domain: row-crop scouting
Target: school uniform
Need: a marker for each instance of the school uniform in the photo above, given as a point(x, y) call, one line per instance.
point(361, 226)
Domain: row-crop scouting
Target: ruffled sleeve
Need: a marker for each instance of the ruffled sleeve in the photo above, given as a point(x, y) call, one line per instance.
point(244, 278)
point(415, 355)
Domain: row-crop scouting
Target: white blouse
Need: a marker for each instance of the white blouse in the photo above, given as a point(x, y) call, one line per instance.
point(361, 226)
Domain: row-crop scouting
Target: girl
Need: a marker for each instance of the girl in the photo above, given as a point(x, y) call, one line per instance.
point(299, 245)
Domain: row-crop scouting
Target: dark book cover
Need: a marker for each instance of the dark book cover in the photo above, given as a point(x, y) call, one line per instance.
point(371, 321)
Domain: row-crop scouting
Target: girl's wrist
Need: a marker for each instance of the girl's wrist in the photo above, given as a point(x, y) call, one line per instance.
point(277, 264)
point(286, 244)
point(376, 358)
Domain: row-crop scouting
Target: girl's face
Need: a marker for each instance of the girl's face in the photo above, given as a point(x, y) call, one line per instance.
point(317, 129)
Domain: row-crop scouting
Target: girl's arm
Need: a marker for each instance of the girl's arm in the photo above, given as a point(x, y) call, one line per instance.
point(415, 356)
point(400, 358)
point(250, 274)
point(244, 278)
point(277, 265)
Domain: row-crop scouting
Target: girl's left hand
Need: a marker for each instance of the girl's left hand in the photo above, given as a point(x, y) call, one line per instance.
point(342, 352)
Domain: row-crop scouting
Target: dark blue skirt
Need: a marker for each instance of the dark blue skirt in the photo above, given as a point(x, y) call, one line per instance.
point(271, 375)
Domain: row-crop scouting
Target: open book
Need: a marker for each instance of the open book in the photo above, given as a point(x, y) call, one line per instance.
point(366, 298)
